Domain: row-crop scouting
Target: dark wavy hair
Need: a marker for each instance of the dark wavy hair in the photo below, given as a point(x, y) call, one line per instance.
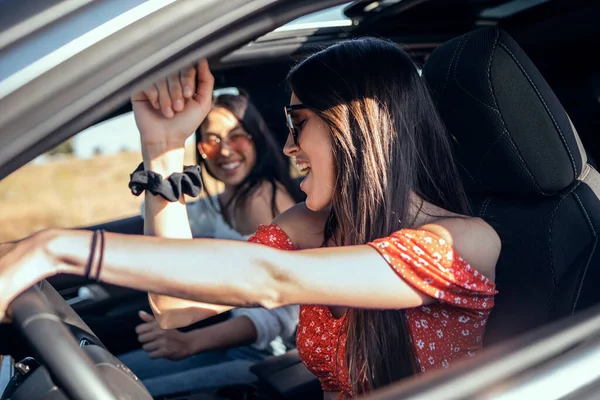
point(271, 165)
point(388, 143)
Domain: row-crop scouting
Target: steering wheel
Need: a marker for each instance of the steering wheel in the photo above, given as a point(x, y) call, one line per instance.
point(75, 358)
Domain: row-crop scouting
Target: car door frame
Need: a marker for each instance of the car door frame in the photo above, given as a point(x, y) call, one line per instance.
point(171, 38)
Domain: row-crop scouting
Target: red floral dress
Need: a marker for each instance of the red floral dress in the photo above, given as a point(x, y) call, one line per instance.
point(447, 330)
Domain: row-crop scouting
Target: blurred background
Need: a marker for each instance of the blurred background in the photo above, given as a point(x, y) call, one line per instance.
point(81, 182)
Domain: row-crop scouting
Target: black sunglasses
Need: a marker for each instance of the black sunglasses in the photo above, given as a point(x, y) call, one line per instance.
point(290, 123)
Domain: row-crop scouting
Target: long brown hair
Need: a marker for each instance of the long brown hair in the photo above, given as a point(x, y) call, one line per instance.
point(271, 165)
point(388, 143)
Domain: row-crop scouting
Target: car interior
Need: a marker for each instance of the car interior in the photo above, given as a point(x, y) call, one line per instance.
point(517, 84)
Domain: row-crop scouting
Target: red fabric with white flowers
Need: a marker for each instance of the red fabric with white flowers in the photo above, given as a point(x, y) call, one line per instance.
point(447, 330)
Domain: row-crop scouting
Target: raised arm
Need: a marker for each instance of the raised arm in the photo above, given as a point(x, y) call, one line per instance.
point(166, 115)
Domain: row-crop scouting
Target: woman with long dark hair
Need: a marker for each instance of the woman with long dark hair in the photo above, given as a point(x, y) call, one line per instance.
point(393, 275)
point(235, 146)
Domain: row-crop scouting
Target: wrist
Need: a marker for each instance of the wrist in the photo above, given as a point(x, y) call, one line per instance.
point(163, 159)
point(195, 341)
point(66, 251)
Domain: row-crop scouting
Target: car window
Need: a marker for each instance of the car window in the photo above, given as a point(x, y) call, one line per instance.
point(333, 16)
point(45, 48)
point(81, 182)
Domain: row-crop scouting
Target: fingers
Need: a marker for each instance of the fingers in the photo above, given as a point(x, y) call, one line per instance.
point(152, 95)
point(164, 99)
point(169, 95)
point(149, 330)
point(160, 353)
point(149, 94)
point(146, 327)
point(187, 77)
point(175, 92)
point(148, 337)
point(156, 349)
point(172, 92)
point(144, 316)
point(153, 345)
point(206, 82)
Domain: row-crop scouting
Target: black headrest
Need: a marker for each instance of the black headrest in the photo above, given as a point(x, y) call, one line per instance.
point(512, 134)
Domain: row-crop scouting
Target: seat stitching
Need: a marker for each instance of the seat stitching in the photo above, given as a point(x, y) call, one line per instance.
point(500, 136)
point(591, 252)
point(450, 66)
point(462, 46)
point(489, 76)
point(495, 109)
point(552, 215)
point(486, 203)
point(584, 274)
point(515, 151)
point(513, 146)
point(587, 216)
point(545, 106)
point(473, 96)
point(489, 69)
point(468, 173)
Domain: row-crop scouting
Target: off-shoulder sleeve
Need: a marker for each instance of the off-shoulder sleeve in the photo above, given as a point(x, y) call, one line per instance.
point(429, 264)
point(272, 236)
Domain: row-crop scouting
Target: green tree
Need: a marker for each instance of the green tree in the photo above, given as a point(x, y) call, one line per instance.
point(65, 148)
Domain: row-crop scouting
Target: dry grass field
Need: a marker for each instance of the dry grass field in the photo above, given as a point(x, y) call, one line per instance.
point(70, 192)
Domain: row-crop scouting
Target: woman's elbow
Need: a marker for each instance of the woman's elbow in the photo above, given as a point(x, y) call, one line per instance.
point(279, 288)
point(166, 317)
point(163, 320)
point(172, 313)
point(172, 318)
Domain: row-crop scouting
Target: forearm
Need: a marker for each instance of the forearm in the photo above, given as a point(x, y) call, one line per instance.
point(170, 220)
point(161, 217)
point(234, 273)
point(199, 270)
point(238, 331)
point(172, 312)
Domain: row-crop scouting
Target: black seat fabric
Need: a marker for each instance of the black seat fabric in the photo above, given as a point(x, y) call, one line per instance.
point(526, 174)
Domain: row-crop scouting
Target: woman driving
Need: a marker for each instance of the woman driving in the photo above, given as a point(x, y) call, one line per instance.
point(392, 273)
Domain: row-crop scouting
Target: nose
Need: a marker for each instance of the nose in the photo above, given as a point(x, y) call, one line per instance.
point(225, 149)
point(290, 147)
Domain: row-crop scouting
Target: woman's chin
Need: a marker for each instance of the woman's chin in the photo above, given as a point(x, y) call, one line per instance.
point(231, 179)
point(315, 205)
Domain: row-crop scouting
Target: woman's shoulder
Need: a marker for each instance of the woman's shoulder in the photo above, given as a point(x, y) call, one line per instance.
point(263, 196)
point(473, 238)
point(258, 208)
point(304, 227)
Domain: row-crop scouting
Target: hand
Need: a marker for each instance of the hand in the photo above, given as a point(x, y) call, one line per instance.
point(168, 112)
point(162, 343)
point(22, 264)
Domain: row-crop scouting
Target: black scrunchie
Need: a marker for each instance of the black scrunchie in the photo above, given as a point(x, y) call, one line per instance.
point(189, 182)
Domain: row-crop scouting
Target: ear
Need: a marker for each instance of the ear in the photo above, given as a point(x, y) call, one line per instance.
point(199, 147)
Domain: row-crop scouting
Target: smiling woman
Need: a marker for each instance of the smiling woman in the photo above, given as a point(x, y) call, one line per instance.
point(237, 148)
point(416, 268)
point(383, 232)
